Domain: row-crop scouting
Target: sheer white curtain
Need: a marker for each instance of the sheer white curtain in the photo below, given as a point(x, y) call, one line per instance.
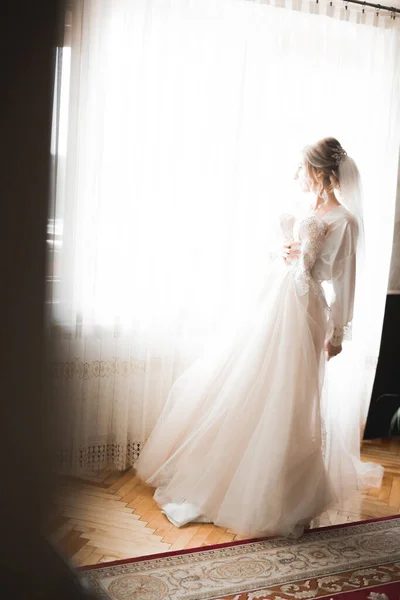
point(178, 131)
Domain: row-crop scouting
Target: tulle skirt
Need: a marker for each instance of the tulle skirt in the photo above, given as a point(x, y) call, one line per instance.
point(243, 440)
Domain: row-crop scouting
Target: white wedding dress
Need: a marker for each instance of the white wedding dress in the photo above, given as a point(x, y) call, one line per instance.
point(241, 440)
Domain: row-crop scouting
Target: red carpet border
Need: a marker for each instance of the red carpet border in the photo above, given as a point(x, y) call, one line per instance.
point(360, 561)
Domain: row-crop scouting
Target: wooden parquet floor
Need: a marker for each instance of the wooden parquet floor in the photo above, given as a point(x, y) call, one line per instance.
point(115, 517)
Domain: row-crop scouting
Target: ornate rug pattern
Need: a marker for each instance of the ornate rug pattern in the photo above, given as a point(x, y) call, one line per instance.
point(351, 562)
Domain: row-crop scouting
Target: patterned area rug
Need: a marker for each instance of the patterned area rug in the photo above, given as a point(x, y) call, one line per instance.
point(359, 561)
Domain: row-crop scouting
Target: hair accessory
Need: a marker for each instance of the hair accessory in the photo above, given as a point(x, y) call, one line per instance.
point(338, 155)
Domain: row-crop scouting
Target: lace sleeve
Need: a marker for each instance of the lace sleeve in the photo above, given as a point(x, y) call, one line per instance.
point(312, 234)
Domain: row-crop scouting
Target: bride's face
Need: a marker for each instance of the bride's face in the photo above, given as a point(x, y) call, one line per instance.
point(301, 177)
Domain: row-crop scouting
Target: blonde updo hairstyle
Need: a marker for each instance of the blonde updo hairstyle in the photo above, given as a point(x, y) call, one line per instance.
point(321, 164)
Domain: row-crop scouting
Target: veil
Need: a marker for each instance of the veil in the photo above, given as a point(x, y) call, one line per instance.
point(345, 386)
point(352, 198)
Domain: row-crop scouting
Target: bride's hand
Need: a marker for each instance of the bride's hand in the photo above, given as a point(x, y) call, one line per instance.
point(290, 250)
point(332, 350)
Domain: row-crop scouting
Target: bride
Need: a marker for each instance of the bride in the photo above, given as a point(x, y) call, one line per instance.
point(242, 440)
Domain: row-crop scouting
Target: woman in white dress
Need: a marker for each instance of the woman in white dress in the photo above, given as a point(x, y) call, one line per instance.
point(241, 440)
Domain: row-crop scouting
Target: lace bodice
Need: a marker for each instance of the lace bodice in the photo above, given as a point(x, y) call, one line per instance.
point(327, 254)
point(310, 232)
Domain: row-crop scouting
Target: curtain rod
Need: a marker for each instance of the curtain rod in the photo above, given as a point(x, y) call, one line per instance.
point(378, 7)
